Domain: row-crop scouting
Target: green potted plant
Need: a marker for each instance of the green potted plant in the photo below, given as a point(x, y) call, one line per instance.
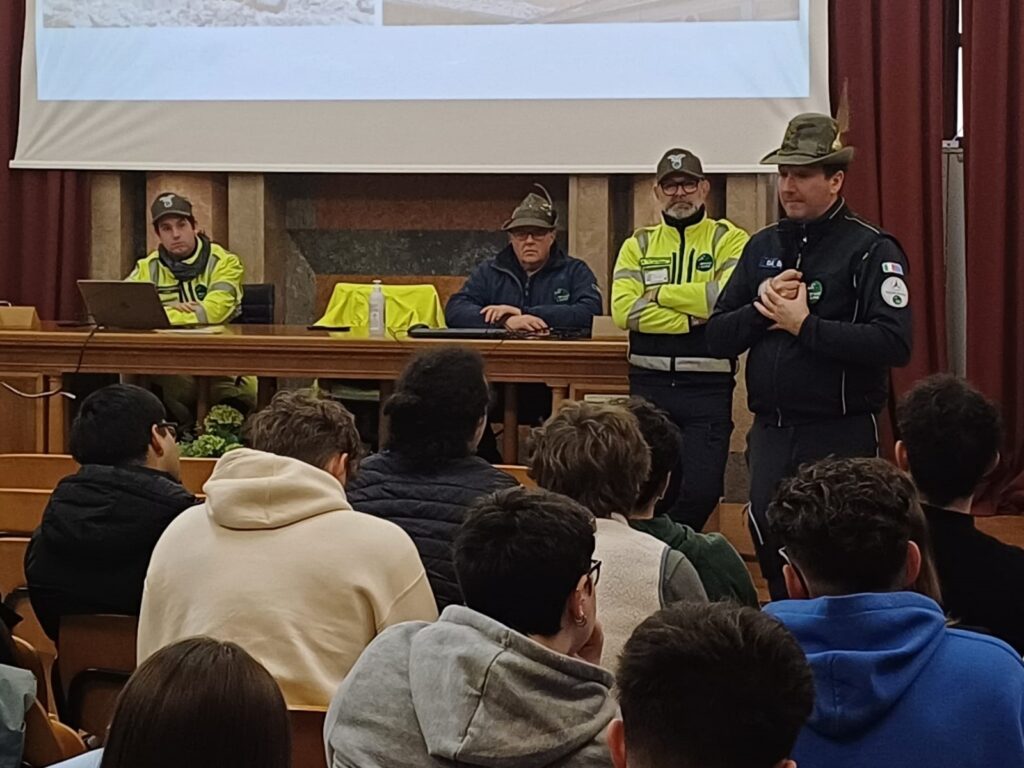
point(221, 432)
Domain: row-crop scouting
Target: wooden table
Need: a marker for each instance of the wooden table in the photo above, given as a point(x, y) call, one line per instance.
point(46, 355)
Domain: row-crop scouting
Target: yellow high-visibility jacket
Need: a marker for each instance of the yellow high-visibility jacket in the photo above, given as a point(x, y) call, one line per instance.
point(217, 289)
point(664, 289)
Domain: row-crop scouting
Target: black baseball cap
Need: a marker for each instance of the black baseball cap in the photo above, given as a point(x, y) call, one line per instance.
point(680, 161)
point(170, 204)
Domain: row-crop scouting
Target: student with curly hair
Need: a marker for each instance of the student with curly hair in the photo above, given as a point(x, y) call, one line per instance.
point(894, 684)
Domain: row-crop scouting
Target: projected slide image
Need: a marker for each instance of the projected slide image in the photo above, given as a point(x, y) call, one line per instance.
point(207, 13)
point(445, 12)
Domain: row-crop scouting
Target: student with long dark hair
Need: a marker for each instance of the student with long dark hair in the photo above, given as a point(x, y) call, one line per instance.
point(428, 475)
point(200, 703)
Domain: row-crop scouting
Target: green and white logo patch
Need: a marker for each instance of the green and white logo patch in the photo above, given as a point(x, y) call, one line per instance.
point(705, 262)
point(895, 293)
point(200, 292)
point(561, 295)
point(814, 292)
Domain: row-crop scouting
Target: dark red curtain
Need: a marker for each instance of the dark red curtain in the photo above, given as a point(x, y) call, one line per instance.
point(892, 59)
point(44, 215)
point(993, 31)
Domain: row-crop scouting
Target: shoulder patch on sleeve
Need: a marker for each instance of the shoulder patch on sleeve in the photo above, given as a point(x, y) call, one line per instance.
point(895, 293)
point(892, 268)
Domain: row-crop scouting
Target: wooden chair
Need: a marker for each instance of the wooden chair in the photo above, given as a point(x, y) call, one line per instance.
point(47, 741)
point(519, 472)
point(308, 737)
point(95, 658)
point(41, 471)
point(14, 588)
point(1006, 528)
point(21, 510)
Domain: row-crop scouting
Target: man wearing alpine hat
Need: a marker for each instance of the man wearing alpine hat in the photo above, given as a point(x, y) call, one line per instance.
point(821, 301)
point(667, 280)
point(532, 285)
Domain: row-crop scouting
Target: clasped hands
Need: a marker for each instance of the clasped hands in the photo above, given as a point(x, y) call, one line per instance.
point(512, 318)
point(783, 300)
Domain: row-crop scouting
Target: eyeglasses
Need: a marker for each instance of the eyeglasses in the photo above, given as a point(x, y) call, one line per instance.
point(594, 574)
point(689, 186)
point(527, 232)
point(785, 556)
point(169, 426)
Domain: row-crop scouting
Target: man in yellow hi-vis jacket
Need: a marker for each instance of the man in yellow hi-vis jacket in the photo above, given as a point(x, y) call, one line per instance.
point(199, 282)
point(666, 282)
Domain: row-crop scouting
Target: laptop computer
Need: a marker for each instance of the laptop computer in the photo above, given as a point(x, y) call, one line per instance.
point(117, 304)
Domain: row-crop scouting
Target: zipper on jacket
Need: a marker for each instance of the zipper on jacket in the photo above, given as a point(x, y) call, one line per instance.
point(689, 266)
point(522, 289)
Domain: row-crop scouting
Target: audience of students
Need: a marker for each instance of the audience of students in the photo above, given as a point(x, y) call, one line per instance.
point(595, 454)
point(710, 686)
point(277, 560)
point(719, 566)
point(428, 474)
point(91, 551)
point(950, 441)
point(894, 684)
point(518, 670)
point(199, 703)
point(510, 678)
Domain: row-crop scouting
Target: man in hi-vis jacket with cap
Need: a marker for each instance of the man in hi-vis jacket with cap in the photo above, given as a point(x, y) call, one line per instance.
point(666, 283)
point(821, 301)
point(532, 285)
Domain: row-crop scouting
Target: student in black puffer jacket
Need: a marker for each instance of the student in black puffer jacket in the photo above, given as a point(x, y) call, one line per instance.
point(91, 552)
point(427, 476)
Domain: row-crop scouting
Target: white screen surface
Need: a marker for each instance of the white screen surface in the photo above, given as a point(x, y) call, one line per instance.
point(415, 85)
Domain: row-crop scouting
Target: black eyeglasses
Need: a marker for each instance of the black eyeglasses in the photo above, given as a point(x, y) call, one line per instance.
point(170, 426)
point(687, 187)
point(785, 556)
point(594, 574)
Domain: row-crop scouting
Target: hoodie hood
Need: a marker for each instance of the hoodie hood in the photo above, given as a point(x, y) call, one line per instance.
point(468, 678)
point(254, 490)
point(865, 652)
point(104, 511)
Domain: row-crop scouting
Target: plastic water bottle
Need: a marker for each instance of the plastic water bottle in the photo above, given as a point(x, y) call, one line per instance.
point(378, 322)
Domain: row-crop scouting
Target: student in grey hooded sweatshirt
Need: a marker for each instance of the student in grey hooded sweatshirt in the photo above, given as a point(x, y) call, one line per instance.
point(508, 679)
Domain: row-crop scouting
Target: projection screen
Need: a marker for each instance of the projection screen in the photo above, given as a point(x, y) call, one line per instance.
point(545, 86)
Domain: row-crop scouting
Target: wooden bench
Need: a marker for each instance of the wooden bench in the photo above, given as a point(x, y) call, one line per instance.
point(42, 471)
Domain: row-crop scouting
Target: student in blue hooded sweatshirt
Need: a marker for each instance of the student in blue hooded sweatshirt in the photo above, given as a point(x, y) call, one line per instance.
point(895, 686)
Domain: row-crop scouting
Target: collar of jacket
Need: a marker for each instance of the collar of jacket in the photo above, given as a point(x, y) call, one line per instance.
point(814, 227)
point(506, 261)
point(683, 224)
point(185, 272)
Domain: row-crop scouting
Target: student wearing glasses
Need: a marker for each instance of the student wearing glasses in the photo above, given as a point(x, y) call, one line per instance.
point(509, 678)
point(92, 549)
point(530, 286)
point(667, 280)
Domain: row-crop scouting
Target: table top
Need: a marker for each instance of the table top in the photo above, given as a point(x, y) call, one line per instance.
point(289, 350)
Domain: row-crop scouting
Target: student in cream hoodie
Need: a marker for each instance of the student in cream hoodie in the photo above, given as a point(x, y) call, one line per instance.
point(277, 561)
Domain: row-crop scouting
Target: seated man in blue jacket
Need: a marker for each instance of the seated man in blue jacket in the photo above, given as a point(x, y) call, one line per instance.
point(532, 285)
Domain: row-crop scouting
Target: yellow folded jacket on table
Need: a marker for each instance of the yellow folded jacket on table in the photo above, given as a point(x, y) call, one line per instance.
point(405, 306)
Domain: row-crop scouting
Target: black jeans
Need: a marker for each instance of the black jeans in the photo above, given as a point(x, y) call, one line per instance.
point(701, 406)
point(774, 453)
